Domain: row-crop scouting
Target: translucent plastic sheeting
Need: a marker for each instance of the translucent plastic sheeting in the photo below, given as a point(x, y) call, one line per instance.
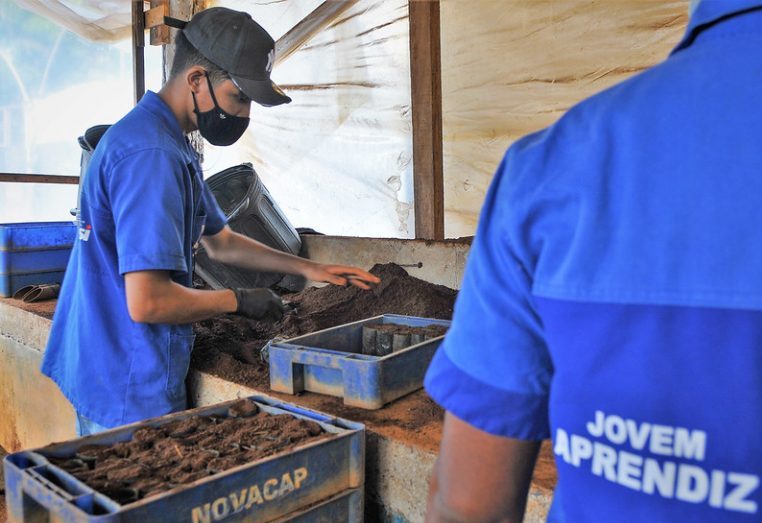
point(339, 157)
point(54, 85)
point(36, 202)
point(98, 20)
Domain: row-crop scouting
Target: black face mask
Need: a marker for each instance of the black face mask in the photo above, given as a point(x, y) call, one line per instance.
point(217, 126)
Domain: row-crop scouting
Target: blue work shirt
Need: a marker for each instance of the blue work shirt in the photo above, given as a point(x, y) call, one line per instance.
point(612, 298)
point(144, 206)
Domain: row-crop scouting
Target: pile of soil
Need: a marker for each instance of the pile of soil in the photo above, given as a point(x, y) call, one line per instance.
point(229, 346)
point(158, 459)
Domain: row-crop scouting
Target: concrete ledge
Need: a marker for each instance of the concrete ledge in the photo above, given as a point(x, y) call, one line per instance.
point(33, 412)
point(23, 326)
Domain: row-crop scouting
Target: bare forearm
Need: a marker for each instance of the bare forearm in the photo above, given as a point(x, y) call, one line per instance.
point(438, 510)
point(247, 253)
point(169, 302)
point(479, 477)
point(235, 249)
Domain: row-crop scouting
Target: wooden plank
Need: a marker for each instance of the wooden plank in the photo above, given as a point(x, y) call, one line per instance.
point(426, 104)
point(325, 14)
point(154, 20)
point(512, 67)
point(138, 47)
point(38, 178)
point(154, 17)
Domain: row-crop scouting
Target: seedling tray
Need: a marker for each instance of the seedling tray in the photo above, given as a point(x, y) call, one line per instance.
point(332, 362)
point(264, 490)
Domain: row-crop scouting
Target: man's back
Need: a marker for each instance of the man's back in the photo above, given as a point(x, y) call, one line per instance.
point(620, 249)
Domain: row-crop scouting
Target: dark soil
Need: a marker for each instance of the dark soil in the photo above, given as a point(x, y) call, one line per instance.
point(229, 346)
point(160, 458)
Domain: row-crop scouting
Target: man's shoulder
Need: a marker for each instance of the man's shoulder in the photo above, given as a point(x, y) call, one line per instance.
point(137, 132)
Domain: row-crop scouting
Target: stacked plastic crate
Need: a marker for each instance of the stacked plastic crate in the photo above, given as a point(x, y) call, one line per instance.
point(319, 480)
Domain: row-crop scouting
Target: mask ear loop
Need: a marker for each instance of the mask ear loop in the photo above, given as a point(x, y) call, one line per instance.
point(211, 91)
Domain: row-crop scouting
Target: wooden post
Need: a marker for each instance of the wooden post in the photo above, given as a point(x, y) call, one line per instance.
point(154, 19)
point(426, 101)
point(138, 47)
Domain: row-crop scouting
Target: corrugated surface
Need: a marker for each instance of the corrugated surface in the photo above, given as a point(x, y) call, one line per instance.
point(511, 67)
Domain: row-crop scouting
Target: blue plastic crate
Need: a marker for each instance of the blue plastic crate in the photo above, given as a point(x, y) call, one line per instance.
point(346, 507)
point(33, 253)
point(37, 490)
point(331, 362)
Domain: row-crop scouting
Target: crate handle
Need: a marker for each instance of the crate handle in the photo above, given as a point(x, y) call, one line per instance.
point(319, 358)
point(50, 485)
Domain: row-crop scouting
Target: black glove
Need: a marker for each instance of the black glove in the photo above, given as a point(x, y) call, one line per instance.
point(259, 303)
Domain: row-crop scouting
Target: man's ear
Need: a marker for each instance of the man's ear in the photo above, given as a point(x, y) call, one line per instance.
point(194, 76)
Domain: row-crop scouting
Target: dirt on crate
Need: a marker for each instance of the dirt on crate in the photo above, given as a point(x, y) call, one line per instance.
point(158, 459)
point(229, 346)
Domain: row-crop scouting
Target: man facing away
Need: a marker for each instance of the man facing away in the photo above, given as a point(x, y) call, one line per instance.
point(120, 343)
point(613, 301)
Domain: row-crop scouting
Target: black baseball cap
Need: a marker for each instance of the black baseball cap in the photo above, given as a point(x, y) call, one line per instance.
point(233, 41)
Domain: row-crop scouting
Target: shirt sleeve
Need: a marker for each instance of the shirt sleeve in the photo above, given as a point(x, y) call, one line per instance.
point(215, 218)
point(148, 193)
point(493, 369)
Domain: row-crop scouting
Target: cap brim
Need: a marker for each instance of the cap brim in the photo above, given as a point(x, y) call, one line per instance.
point(264, 92)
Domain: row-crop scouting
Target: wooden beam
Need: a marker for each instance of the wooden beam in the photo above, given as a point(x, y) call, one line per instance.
point(426, 104)
point(138, 48)
point(38, 178)
point(323, 16)
point(154, 20)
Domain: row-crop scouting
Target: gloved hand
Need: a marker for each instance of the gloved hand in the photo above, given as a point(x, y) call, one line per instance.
point(259, 303)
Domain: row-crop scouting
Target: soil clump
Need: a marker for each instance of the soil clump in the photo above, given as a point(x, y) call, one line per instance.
point(229, 346)
point(158, 459)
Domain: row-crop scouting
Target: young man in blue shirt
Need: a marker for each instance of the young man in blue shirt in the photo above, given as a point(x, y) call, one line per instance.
point(120, 343)
point(613, 301)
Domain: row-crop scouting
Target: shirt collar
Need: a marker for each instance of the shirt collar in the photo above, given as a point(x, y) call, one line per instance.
point(153, 103)
point(711, 12)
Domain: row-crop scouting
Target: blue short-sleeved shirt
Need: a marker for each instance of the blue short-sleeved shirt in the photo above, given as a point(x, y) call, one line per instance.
point(144, 206)
point(613, 295)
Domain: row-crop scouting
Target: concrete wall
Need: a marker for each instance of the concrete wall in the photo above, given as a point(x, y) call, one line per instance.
point(33, 411)
point(442, 263)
